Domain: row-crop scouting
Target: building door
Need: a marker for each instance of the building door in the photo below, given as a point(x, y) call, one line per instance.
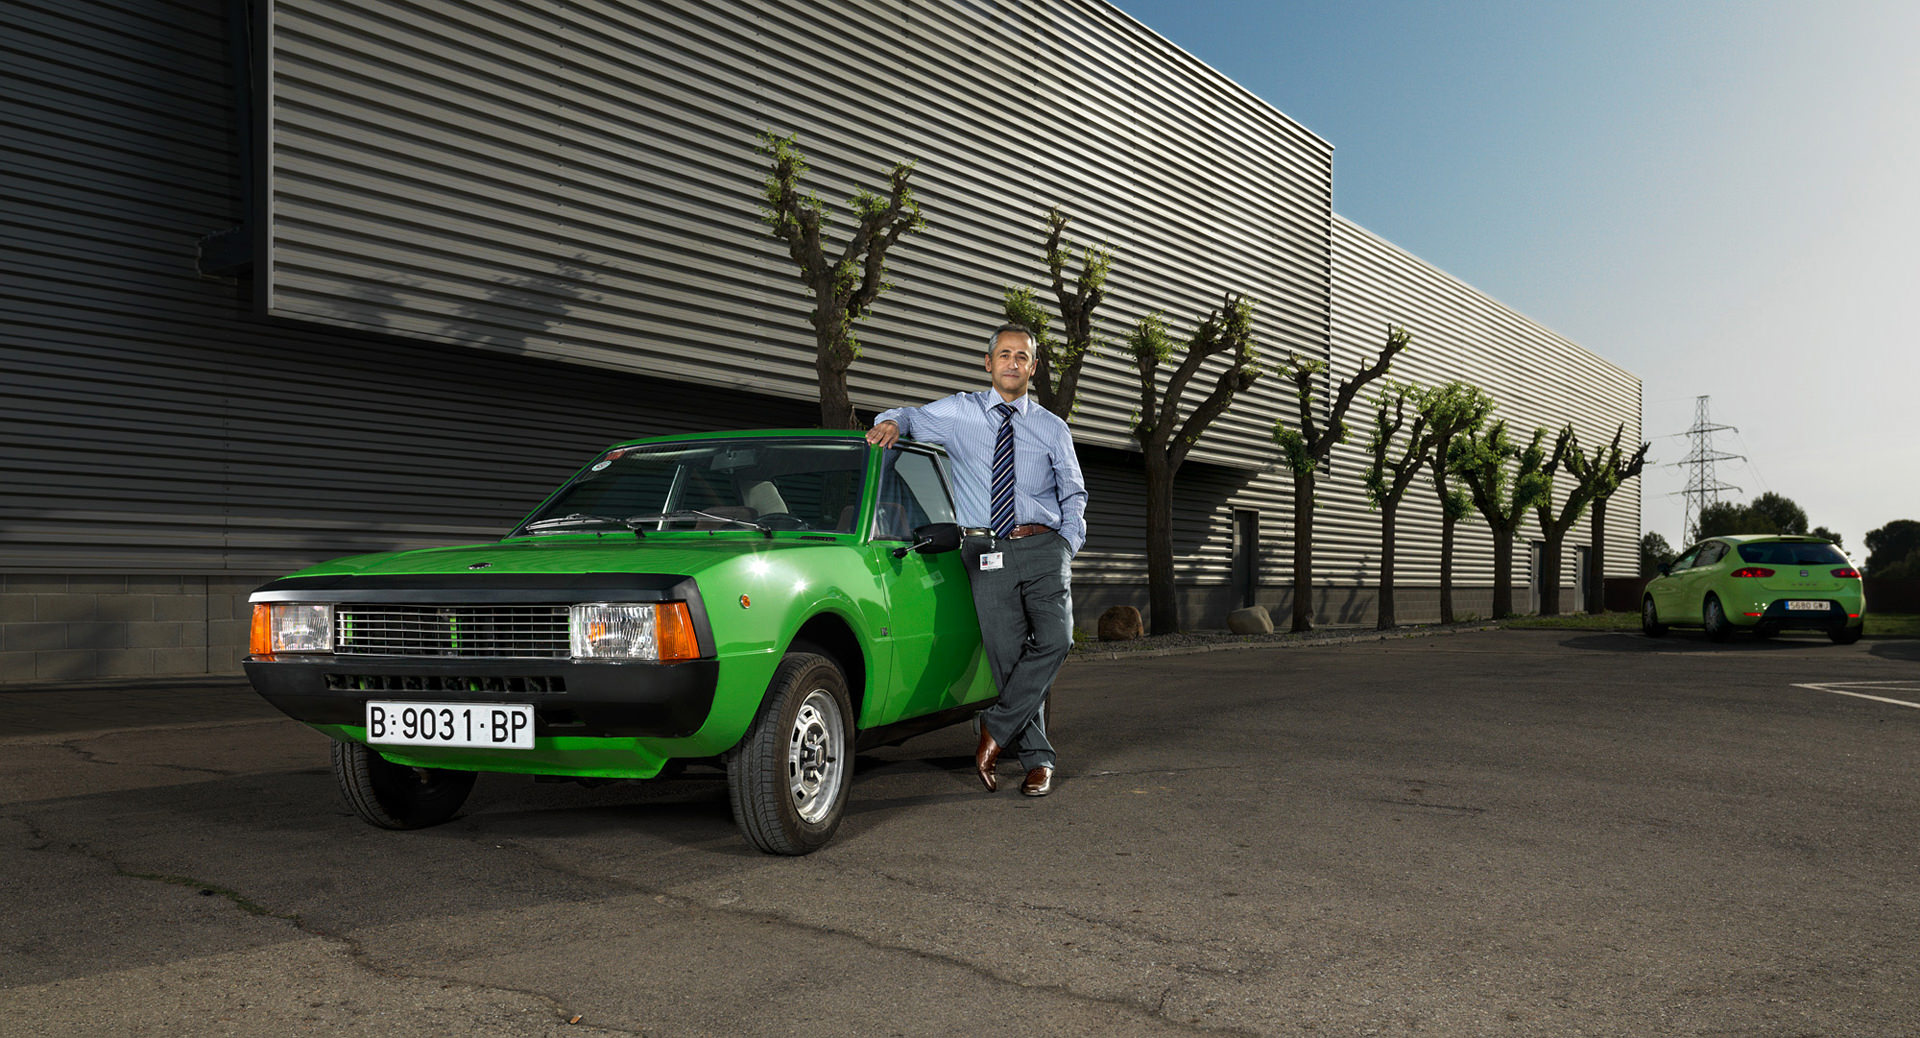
point(1246, 555)
point(1582, 574)
point(1534, 550)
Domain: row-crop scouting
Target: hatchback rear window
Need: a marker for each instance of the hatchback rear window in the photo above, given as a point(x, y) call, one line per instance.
point(1792, 553)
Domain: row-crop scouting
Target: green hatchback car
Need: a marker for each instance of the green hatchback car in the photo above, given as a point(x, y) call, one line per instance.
point(769, 602)
point(1763, 584)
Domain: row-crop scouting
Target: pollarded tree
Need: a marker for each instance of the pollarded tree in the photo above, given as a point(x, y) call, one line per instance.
point(1391, 473)
point(1165, 437)
point(1505, 480)
point(1307, 449)
point(1056, 374)
point(1452, 410)
point(844, 282)
point(1589, 478)
point(1619, 470)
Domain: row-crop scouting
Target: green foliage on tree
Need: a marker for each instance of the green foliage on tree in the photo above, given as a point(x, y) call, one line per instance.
point(1893, 550)
point(1782, 514)
point(1452, 410)
point(1166, 436)
point(1505, 480)
point(1056, 376)
point(1394, 460)
point(1655, 552)
point(846, 280)
point(1770, 513)
point(1826, 534)
point(1307, 448)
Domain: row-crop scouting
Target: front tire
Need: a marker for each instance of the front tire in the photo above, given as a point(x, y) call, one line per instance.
point(395, 796)
point(1650, 624)
point(1714, 617)
point(788, 779)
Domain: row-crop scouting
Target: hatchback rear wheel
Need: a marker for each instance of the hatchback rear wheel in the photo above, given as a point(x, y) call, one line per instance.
point(1715, 619)
point(1847, 635)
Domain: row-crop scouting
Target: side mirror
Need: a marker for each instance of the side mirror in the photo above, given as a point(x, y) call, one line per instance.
point(932, 539)
point(1666, 568)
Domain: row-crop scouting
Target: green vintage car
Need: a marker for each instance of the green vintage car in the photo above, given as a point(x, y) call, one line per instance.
point(1763, 584)
point(768, 601)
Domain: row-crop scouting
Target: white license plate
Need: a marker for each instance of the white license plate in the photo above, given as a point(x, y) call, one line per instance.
point(1801, 606)
point(498, 726)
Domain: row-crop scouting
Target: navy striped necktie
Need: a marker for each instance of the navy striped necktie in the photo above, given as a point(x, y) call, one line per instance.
point(1003, 473)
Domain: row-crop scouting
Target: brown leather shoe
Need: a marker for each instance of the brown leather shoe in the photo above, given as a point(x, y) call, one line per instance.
point(1039, 782)
point(986, 758)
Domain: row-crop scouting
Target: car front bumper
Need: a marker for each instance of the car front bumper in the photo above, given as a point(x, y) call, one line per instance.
point(597, 699)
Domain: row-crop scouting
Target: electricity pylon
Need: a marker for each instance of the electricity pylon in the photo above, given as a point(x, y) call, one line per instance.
point(1703, 483)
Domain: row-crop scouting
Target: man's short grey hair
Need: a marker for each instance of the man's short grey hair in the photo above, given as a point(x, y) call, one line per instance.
point(1033, 341)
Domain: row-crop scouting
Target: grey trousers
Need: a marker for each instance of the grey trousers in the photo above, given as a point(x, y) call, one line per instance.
point(1026, 627)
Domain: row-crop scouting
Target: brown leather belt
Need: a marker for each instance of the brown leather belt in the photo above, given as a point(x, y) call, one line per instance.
point(1029, 530)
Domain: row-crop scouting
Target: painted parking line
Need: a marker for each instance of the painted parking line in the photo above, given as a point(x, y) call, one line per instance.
point(1846, 688)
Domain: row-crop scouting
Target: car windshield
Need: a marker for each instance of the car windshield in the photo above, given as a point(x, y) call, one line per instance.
point(747, 485)
point(1791, 553)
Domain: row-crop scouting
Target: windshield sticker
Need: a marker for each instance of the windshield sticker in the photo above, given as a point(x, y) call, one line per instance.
point(599, 465)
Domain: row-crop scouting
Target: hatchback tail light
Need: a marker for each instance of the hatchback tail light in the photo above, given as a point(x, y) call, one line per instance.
point(1849, 572)
point(1753, 571)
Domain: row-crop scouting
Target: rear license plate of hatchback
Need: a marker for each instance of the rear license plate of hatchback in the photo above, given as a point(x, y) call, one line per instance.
point(495, 726)
point(1804, 606)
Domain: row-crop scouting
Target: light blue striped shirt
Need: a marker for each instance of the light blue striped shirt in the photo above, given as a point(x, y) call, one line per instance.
point(1048, 488)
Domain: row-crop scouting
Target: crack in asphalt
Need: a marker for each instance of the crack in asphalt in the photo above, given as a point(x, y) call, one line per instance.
point(689, 905)
point(356, 953)
point(90, 757)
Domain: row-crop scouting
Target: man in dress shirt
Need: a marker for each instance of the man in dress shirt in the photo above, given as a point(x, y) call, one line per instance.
point(1014, 474)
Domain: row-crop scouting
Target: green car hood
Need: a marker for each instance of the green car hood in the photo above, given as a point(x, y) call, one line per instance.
point(683, 554)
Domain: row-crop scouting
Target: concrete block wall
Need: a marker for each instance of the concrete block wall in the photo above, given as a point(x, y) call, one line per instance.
point(80, 627)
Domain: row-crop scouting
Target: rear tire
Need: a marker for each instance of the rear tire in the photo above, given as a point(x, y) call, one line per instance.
point(1714, 617)
point(1847, 635)
point(1650, 624)
point(395, 796)
point(787, 781)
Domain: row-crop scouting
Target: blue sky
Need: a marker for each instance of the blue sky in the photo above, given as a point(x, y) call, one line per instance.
point(1719, 197)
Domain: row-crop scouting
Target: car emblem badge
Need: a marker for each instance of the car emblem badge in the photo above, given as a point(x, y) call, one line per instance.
point(481, 565)
point(1803, 573)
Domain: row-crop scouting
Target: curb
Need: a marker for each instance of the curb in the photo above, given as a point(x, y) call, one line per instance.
point(1286, 641)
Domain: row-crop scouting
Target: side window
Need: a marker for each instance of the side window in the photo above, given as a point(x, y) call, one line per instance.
point(1685, 561)
point(911, 495)
point(1710, 553)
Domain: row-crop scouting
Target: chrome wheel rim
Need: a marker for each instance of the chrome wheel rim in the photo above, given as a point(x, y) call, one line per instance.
point(816, 757)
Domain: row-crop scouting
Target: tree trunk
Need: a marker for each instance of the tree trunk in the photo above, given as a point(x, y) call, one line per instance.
point(1597, 560)
point(1446, 569)
point(1386, 621)
point(1550, 574)
point(1163, 608)
point(1502, 573)
point(836, 410)
point(1303, 551)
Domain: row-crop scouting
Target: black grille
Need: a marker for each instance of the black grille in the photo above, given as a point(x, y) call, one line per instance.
point(445, 683)
point(483, 632)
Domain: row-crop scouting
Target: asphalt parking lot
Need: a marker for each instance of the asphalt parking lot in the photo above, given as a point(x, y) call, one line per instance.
point(1487, 833)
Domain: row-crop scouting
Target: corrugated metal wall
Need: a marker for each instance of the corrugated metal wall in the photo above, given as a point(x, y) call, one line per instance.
point(583, 188)
point(1535, 376)
point(148, 424)
point(580, 181)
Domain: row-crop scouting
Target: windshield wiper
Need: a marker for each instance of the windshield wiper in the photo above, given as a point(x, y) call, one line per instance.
point(581, 519)
point(682, 513)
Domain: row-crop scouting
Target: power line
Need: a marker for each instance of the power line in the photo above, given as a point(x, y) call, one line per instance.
point(1703, 482)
